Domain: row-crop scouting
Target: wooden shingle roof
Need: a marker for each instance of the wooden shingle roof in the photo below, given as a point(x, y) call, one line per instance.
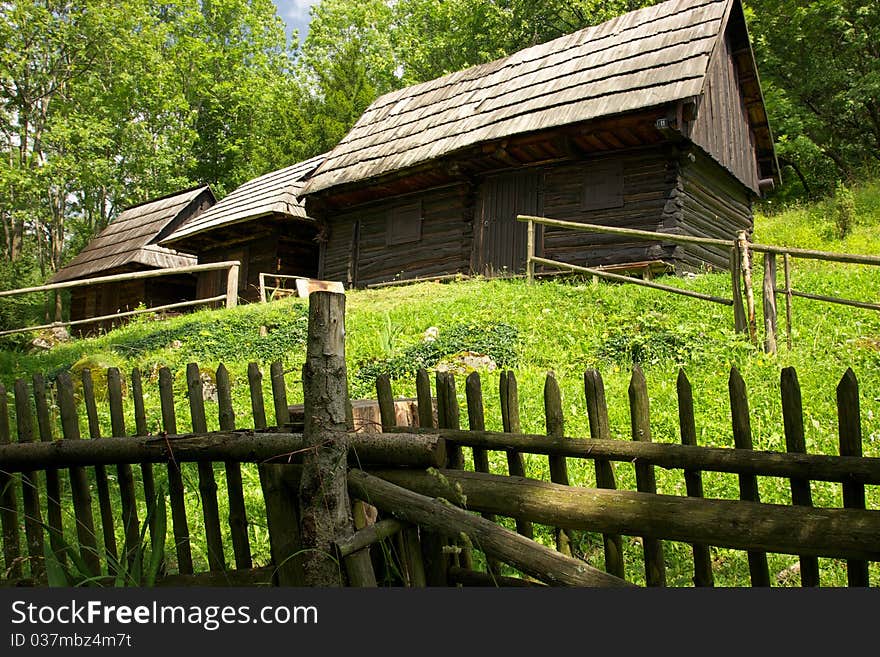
point(272, 193)
point(131, 239)
point(642, 59)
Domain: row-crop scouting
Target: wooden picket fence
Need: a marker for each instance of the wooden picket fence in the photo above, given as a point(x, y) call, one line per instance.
point(420, 517)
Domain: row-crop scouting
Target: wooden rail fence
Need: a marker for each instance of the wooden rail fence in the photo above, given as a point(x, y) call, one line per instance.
point(741, 265)
point(230, 297)
point(424, 504)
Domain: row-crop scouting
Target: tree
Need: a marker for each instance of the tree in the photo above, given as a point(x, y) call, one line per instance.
point(820, 63)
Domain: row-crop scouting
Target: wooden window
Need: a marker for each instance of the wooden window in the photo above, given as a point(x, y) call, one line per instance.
point(404, 224)
point(603, 186)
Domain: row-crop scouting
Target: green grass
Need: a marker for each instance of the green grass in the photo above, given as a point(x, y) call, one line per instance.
point(563, 327)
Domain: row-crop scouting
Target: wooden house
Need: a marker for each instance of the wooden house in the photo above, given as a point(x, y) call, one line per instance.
point(129, 244)
point(653, 120)
point(261, 224)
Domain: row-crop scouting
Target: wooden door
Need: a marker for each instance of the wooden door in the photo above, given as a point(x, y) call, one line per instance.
point(503, 238)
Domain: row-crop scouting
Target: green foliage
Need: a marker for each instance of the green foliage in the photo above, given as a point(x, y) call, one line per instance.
point(499, 341)
point(844, 210)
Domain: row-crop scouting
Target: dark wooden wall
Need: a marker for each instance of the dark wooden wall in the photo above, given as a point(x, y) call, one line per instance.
point(359, 250)
point(646, 180)
point(470, 228)
point(110, 298)
point(712, 204)
point(279, 247)
point(722, 125)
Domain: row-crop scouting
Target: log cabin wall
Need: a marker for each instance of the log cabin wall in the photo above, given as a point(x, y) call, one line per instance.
point(626, 190)
point(406, 236)
point(281, 247)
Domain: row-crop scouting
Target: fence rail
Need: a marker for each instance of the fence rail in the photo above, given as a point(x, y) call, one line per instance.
point(232, 268)
point(740, 258)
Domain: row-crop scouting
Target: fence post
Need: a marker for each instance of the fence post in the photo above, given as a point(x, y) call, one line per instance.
point(640, 420)
point(850, 437)
point(743, 244)
point(30, 489)
point(263, 287)
point(325, 509)
point(787, 266)
point(769, 290)
point(739, 312)
point(748, 483)
point(232, 286)
point(530, 252)
point(8, 502)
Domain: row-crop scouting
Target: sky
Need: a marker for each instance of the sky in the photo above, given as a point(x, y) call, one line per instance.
point(295, 14)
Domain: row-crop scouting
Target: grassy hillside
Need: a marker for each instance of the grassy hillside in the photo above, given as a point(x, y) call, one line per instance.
point(563, 327)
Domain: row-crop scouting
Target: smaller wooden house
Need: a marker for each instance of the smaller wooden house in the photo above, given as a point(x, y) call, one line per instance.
point(653, 120)
point(129, 244)
point(261, 224)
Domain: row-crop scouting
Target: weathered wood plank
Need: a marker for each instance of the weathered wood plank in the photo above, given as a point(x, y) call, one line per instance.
point(79, 482)
point(640, 421)
point(238, 522)
point(54, 514)
point(793, 421)
point(130, 521)
point(30, 483)
point(176, 488)
point(8, 502)
point(516, 465)
point(597, 410)
point(735, 524)
point(207, 482)
point(748, 484)
point(555, 422)
point(108, 531)
point(532, 558)
point(850, 438)
point(693, 478)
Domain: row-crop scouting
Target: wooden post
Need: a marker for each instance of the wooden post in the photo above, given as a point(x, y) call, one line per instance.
point(597, 411)
point(425, 399)
point(130, 522)
point(207, 483)
point(477, 422)
point(640, 420)
point(555, 421)
point(325, 509)
point(769, 293)
point(238, 522)
point(385, 398)
point(30, 483)
point(739, 312)
point(175, 478)
point(53, 481)
point(748, 484)
point(693, 478)
point(79, 482)
point(232, 286)
point(787, 266)
point(793, 419)
point(262, 287)
point(140, 421)
point(743, 242)
point(530, 252)
point(108, 532)
point(282, 512)
point(850, 436)
point(516, 466)
point(258, 406)
point(430, 544)
point(8, 502)
point(279, 394)
point(448, 415)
